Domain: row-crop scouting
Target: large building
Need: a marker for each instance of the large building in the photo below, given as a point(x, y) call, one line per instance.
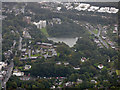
point(41, 24)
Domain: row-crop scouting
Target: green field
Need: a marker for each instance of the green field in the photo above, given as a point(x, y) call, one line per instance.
point(95, 31)
point(44, 31)
point(36, 55)
point(118, 72)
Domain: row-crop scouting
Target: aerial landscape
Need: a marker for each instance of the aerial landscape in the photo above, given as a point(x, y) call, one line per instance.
point(60, 45)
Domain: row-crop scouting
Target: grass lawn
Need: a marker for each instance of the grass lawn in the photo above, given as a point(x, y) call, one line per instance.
point(36, 55)
point(95, 31)
point(118, 72)
point(44, 31)
point(58, 54)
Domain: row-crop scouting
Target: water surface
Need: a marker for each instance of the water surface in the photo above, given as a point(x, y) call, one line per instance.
point(69, 41)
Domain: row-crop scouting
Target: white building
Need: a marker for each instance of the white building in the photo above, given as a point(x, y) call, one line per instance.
point(114, 31)
point(79, 81)
point(96, 41)
point(66, 63)
point(93, 81)
point(18, 74)
point(26, 34)
point(41, 24)
point(56, 20)
point(103, 37)
point(113, 10)
point(83, 59)
point(108, 10)
point(76, 68)
point(58, 63)
point(82, 7)
point(27, 67)
point(58, 8)
point(93, 8)
point(104, 9)
point(100, 66)
point(2, 64)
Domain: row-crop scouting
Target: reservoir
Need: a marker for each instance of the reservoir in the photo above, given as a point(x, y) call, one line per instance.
point(69, 41)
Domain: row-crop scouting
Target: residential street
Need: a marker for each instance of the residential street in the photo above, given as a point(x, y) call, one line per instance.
point(9, 69)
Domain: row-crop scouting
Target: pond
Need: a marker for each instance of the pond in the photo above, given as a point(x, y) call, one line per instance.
point(69, 41)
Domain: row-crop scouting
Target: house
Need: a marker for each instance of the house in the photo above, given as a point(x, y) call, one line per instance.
point(58, 63)
point(47, 44)
point(0, 67)
point(113, 10)
point(27, 19)
point(113, 47)
point(2, 64)
point(82, 7)
point(68, 84)
point(1, 76)
point(58, 8)
point(33, 57)
point(79, 81)
point(93, 81)
point(18, 73)
point(110, 42)
point(83, 59)
point(114, 31)
point(93, 8)
point(66, 63)
point(39, 43)
point(26, 34)
point(104, 9)
point(41, 24)
point(23, 50)
point(96, 41)
point(53, 87)
point(45, 56)
point(104, 37)
point(25, 78)
point(109, 60)
point(100, 66)
point(76, 68)
point(22, 59)
point(27, 67)
point(3, 72)
point(56, 20)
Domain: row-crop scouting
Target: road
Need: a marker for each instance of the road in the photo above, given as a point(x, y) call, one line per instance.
point(9, 69)
point(103, 42)
point(20, 43)
point(14, 43)
point(90, 28)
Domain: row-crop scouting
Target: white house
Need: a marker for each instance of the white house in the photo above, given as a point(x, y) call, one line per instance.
point(2, 64)
point(41, 24)
point(93, 8)
point(58, 8)
point(113, 10)
point(103, 37)
point(100, 66)
point(93, 81)
point(0, 67)
point(82, 7)
point(27, 67)
point(18, 74)
point(58, 63)
point(76, 68)
point(79, 81)
point(83, 59)
point(96, 41)
point(66, 63)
